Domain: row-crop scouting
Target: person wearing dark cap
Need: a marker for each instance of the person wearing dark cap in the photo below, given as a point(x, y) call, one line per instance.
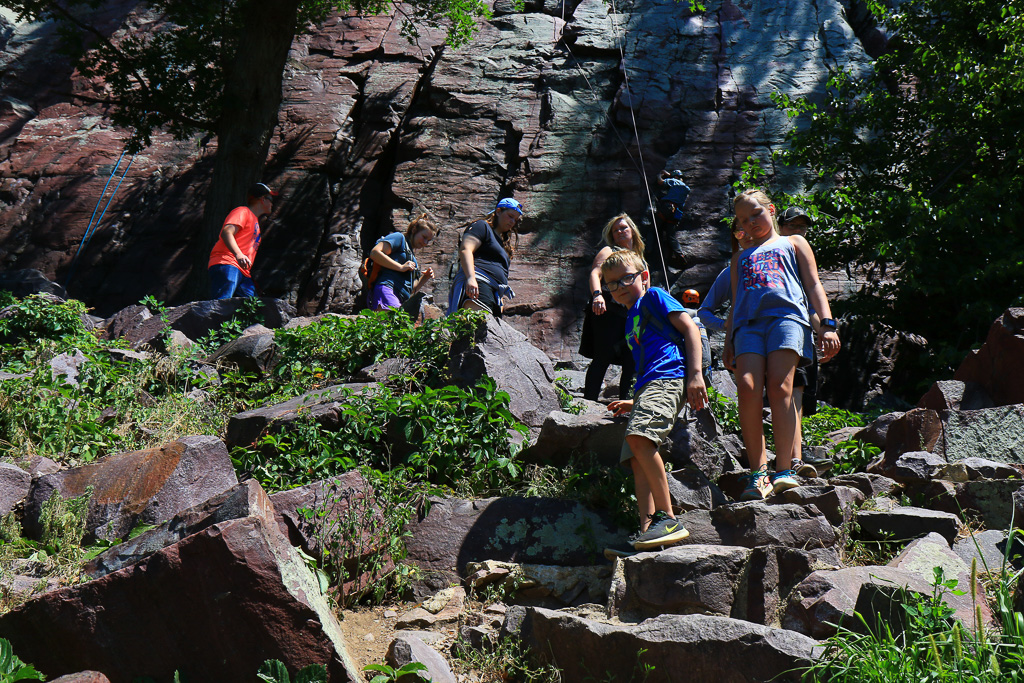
point(232, 256)
point(485, 255)
point(795, 221)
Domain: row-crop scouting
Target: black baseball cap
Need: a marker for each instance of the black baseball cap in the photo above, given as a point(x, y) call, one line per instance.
point(794, 212)
point(259, 190)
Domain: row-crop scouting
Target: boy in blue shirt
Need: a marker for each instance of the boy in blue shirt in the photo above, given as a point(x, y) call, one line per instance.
point(664, 381)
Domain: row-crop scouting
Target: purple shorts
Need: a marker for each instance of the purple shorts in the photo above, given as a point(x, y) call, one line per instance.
point(383, 297)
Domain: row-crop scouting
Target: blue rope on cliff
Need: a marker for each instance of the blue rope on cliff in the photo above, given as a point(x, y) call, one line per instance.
point(90, 229)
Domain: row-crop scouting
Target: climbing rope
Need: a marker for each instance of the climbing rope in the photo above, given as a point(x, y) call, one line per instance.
point(640, 167)
point(620, 40)
point(90, 229)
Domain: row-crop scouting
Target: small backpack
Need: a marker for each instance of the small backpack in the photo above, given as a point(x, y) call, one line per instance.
point(369, 270)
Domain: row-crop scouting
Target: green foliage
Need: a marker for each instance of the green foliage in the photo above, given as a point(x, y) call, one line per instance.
point(919, 169)
point(725, 410)
point(447, 436)
point(504, 660)
point(40, 316)
point(248, 314)
point(341, 346)
point(63, 520)
point(388, 674)
point(13, 669)
point(565, 400)
point(274, 671)
point(362, 540)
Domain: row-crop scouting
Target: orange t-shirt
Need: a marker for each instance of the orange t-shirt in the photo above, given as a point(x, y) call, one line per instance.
point(247, 237)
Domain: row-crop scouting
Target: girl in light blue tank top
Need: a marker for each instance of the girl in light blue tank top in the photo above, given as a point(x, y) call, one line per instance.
point(774, 279)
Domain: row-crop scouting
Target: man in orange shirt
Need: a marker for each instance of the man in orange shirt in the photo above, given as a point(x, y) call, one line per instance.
point(232, 256)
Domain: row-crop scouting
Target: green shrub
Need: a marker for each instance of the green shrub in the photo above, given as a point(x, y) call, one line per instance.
point(39, 316)
point(448, 436)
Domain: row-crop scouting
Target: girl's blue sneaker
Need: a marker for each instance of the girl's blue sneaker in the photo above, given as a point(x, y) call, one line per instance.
point(784, 480)
point(759, 486)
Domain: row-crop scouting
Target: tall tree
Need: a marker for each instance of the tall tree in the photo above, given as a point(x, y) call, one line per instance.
point(213, 68)
point(921, 169)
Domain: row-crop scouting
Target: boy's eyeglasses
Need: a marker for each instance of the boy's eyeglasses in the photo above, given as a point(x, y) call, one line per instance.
point(624, 281)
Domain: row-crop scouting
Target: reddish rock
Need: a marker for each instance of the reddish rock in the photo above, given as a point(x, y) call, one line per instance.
point(82, 677)
point(147, 487)
point(996, 366)
point(214, 606)
point(917, 430)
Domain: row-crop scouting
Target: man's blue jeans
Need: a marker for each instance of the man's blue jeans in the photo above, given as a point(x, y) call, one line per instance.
point(226, 280)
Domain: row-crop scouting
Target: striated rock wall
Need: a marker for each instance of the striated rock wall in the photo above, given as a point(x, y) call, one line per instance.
point(573, 108)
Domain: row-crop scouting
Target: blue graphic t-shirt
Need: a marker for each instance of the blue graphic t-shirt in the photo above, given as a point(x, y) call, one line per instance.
point(769, 284)
point(656, 357)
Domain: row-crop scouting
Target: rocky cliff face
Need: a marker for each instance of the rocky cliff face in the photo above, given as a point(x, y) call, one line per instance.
point(573, 108)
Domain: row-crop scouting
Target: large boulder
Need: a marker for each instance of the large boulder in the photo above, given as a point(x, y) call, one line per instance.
point(525, 530)
point(250, 353)
point(213, 606)
point(991, 433)
point(686, 579)
point(500, 351)
point(904, 523)
point(563, 434)
point(996, 366)
point(139, 487)
point(243, 500)
point(667, 648)
point(954, 395)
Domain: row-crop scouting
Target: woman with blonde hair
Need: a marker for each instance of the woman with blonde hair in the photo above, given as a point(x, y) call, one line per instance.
point(601, 339)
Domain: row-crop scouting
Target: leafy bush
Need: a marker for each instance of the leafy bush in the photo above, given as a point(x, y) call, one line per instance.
point(447, 436)
point(40, 316)
point(274, 671)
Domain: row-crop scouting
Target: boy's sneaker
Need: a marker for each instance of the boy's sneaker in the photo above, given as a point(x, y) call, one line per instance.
point(783, 480)
point(662, 531)
point(760, 486)
point(804, 469)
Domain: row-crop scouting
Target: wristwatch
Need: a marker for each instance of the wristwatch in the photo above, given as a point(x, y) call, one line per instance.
point(828, 325)
point(597, 292)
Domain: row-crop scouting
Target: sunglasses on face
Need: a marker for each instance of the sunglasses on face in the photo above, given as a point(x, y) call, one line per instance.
point(624, 281)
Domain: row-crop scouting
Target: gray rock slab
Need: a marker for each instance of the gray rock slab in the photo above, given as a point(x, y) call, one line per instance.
point(68, 365)
point(524, 530)
point(14, 486)
point(989, 548)
point(871, 485)
point(980, 468)
point(323, 405)
point(689, 579)
point(756, 524)
point(250, 353)
point(519, 368)
point(690, 489)
point(875, 432)
point(993, 433)
point(563, 434)
point(406, 649)
point(837, 503)
point(666, 649)
point(989, 499)
point(905, 523)
point(769, 577)
point(916, 466)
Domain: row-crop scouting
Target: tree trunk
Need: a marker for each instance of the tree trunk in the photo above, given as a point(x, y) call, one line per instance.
point(252, 98)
